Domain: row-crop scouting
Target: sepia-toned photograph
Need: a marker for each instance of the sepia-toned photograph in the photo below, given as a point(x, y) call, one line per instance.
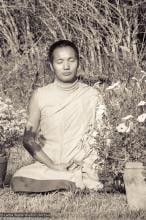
point(73, 109)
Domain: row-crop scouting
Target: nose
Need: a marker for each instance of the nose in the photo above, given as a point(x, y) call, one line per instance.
point(66, 65)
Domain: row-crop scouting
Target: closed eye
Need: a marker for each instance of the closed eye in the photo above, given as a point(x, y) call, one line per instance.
point(72, 59)
point(59, 61)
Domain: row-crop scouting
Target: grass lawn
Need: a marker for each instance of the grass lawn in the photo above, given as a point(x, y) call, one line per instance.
point(62, 205)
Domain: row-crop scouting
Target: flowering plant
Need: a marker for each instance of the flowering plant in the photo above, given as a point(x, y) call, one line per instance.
point(135, 129)
point(11, 124)
point(129, 140)
point(128, 132)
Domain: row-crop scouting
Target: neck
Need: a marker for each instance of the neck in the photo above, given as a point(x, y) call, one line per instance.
point(68, 86)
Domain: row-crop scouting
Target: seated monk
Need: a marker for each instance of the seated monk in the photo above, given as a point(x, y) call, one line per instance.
point(64, 111)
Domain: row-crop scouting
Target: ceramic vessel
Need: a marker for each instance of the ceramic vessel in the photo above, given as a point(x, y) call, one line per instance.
point(135, 185)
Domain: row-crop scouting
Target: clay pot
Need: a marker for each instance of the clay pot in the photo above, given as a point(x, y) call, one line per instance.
point(135, 185)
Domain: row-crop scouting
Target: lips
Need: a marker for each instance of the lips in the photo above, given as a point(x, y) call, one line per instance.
point(67, 73)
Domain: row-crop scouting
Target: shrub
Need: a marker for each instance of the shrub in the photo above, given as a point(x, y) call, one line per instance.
point(12, 123)
point(126, 108)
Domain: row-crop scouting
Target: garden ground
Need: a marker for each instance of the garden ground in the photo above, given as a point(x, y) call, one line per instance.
point(62, 205)
point(111, 38)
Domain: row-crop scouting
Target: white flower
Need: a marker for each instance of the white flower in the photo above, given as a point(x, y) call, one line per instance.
point(8, 101)
point(17, 128)
point(94, 134)
point(127, 117)
point(141, 103)
point(134, 78)
point(100, 110)
point(122, 128)
point(108, 142)
point(115, 85)
point(142, 71)
point(142, 117)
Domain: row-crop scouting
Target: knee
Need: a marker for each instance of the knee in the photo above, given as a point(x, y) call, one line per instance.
point(12, 183)
point(17, 184)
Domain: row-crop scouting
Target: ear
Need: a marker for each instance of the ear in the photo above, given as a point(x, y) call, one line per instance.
point(80, 71)
point(51, 67)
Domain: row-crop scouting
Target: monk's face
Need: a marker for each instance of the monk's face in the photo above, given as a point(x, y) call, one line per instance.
point(65, 64)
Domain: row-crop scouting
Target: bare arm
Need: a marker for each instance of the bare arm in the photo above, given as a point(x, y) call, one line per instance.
point(30, 133)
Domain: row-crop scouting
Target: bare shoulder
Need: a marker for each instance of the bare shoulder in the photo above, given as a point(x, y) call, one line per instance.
point(38, 94)
point(40, 90)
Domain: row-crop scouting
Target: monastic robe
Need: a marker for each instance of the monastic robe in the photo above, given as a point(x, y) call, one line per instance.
point(67, 117)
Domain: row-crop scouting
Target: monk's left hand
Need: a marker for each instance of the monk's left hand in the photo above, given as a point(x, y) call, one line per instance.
point(63, 166)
